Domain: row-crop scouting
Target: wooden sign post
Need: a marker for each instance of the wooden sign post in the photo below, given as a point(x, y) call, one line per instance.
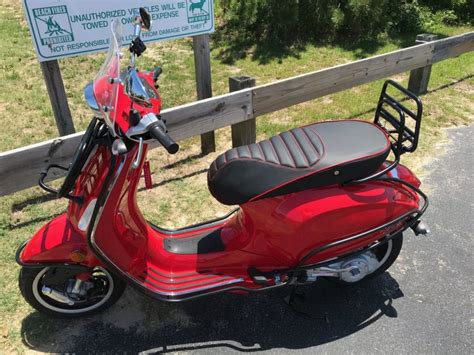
point(57, 96)
point(202, 63)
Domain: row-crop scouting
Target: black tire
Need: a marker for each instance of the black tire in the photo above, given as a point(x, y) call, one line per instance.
point(30, 278)
point(397, 243)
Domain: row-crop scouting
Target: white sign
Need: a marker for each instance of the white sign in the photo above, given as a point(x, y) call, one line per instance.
point(66, 28)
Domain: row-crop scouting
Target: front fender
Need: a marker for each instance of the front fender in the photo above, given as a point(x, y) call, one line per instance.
point(57, 242)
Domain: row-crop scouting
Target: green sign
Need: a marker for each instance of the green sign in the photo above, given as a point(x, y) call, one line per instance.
point(198, 11)
point(53, 25)
point(65, 28)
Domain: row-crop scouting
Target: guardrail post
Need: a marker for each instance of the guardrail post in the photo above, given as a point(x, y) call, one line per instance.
point(243, 133)
point(202, 63)
point(419, 78)
point(57, 96)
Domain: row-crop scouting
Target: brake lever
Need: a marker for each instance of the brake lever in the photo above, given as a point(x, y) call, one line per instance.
point(136, 162)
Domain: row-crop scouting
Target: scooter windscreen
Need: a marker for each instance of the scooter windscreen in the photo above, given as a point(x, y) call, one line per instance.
point(107, 81)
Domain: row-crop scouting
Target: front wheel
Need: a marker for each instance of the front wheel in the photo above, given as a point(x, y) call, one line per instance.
point(63, 292)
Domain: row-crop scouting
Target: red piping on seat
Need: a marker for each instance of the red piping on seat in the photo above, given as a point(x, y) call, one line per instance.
point(328, 168)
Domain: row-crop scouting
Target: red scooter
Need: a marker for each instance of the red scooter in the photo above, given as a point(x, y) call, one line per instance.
point(320, 201)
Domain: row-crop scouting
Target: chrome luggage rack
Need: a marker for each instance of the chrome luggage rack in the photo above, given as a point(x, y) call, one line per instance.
point(403, 139)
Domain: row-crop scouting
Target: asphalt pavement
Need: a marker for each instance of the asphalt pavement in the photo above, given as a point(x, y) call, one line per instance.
point(424, 304)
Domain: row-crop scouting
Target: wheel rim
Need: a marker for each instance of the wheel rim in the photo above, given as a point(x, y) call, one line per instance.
point(385, 255)
point(380, 254)
point(56, 306)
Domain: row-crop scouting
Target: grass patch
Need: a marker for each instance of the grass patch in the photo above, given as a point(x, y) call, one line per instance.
point(180, 195)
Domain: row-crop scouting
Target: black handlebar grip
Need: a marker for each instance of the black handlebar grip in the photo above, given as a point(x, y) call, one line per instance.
point(166, 141)
point(156, 73)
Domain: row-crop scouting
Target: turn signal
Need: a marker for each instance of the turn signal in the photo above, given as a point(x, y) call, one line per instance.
point(77, 256)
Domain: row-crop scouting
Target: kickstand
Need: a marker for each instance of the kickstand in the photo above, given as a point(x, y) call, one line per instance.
point(296, 298)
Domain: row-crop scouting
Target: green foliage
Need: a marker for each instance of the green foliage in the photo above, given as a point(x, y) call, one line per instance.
point(405, 17)
point(462, 9)
point(448, 12)
point(289, 22)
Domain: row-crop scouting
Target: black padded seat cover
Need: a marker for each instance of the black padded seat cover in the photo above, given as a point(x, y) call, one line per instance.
point(312, 156)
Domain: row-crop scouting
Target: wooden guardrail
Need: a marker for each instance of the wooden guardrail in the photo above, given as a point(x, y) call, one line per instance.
point(19, 168)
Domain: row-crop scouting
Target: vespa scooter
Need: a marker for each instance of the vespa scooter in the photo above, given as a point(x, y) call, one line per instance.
point(319, 201)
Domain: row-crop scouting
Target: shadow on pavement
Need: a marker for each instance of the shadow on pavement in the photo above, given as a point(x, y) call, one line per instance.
point(228, 322)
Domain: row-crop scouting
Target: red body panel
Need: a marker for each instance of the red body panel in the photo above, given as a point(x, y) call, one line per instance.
point(54, 242)
point(268, 234)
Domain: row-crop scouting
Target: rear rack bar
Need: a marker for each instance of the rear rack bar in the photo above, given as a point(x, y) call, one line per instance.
point(402, 138)
point(404, 132)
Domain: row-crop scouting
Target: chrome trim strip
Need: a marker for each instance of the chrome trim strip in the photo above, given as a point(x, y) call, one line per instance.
point(178, 281)
point(170, 275)
point(194, 290)
point(85, 219)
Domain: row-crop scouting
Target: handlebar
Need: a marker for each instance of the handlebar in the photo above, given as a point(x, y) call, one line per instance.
point(157, 132)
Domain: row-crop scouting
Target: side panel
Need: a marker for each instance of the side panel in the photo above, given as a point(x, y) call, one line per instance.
point(289, 227)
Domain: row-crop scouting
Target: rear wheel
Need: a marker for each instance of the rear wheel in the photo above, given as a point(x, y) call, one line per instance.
point(385, 256)
point(58, 292)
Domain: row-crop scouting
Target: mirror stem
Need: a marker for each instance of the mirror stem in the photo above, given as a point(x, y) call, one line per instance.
point(138, 28)
point(136, 33)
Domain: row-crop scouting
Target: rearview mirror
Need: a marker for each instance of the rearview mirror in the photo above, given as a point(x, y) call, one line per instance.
point(135, 90)
point(146, 18)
